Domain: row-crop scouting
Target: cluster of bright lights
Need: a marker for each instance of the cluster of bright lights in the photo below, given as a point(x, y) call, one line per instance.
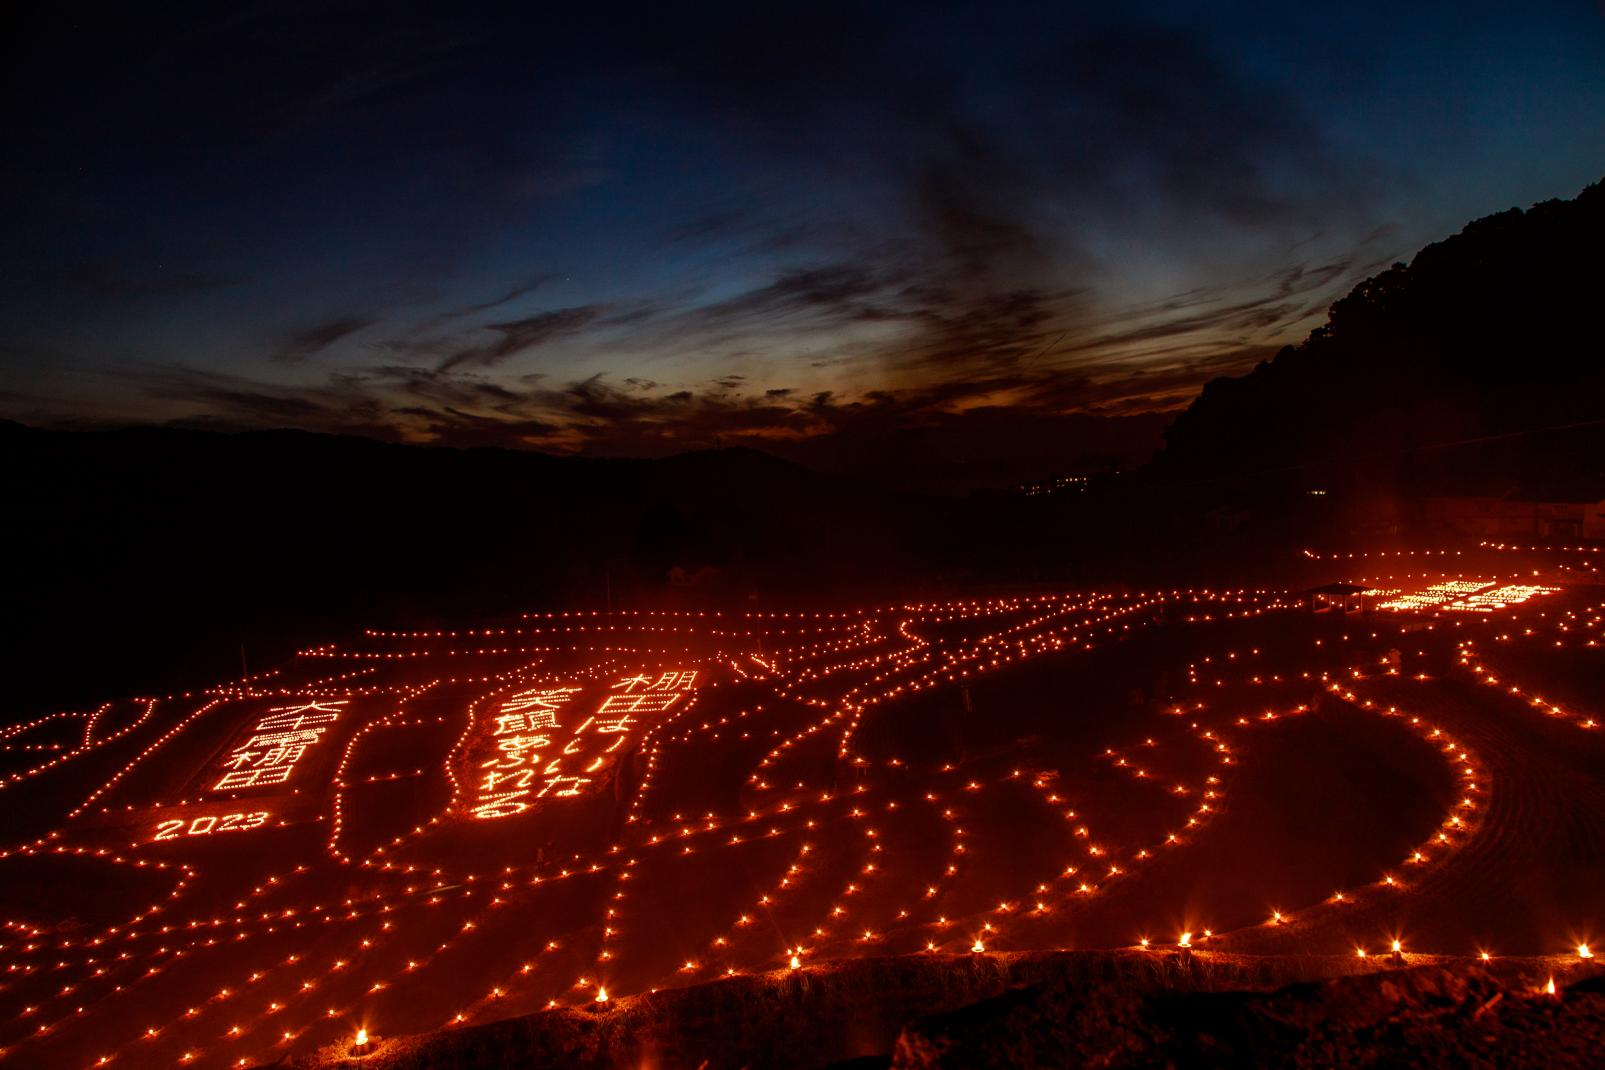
point(1442, 595)
point(1462, 595)
point(1510, 594)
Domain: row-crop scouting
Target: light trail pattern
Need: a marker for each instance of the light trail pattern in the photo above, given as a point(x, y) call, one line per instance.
point(581, 807)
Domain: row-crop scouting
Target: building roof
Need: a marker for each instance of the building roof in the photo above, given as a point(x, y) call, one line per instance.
point(1338, 588)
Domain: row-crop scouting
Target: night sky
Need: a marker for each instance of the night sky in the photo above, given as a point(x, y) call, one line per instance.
point(839, 232)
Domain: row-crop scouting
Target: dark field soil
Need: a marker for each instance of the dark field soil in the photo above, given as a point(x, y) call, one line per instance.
point(1070, 1009)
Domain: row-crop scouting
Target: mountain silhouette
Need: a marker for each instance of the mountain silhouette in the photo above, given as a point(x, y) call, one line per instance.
point(1477, 366)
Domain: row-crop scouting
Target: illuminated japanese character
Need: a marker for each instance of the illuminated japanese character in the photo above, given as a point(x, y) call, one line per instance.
point(567, 785)
point(289, 722)
point(332, 707)
point(518, 748)
point(302, 738)
point(625, 704)
point(669, 681)
point(252, 778)
point(629, 683)
point(525, 722)
point(518, 778)
point(240, 758)
point(549, 699)
point(286, 755)
point(620, 723)
point(504, 805)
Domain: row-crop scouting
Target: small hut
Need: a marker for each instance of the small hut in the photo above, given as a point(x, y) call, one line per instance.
point(1336, 598)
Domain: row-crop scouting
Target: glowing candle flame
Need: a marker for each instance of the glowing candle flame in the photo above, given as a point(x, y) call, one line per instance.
point(1550, 987)
point(1583, 952)
point(977, 947)
point(795, 962)
point(362, 1037)
point(601, 995)
point(1186, 940)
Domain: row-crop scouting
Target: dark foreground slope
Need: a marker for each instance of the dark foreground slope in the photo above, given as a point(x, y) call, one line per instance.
point(1117, 1010)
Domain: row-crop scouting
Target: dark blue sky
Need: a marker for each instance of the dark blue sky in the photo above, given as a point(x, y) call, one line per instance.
point(816, 227)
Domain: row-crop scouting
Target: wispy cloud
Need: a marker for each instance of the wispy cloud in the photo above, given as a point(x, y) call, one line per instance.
point(520, 336)
point(806, 227)
point(319, 336)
